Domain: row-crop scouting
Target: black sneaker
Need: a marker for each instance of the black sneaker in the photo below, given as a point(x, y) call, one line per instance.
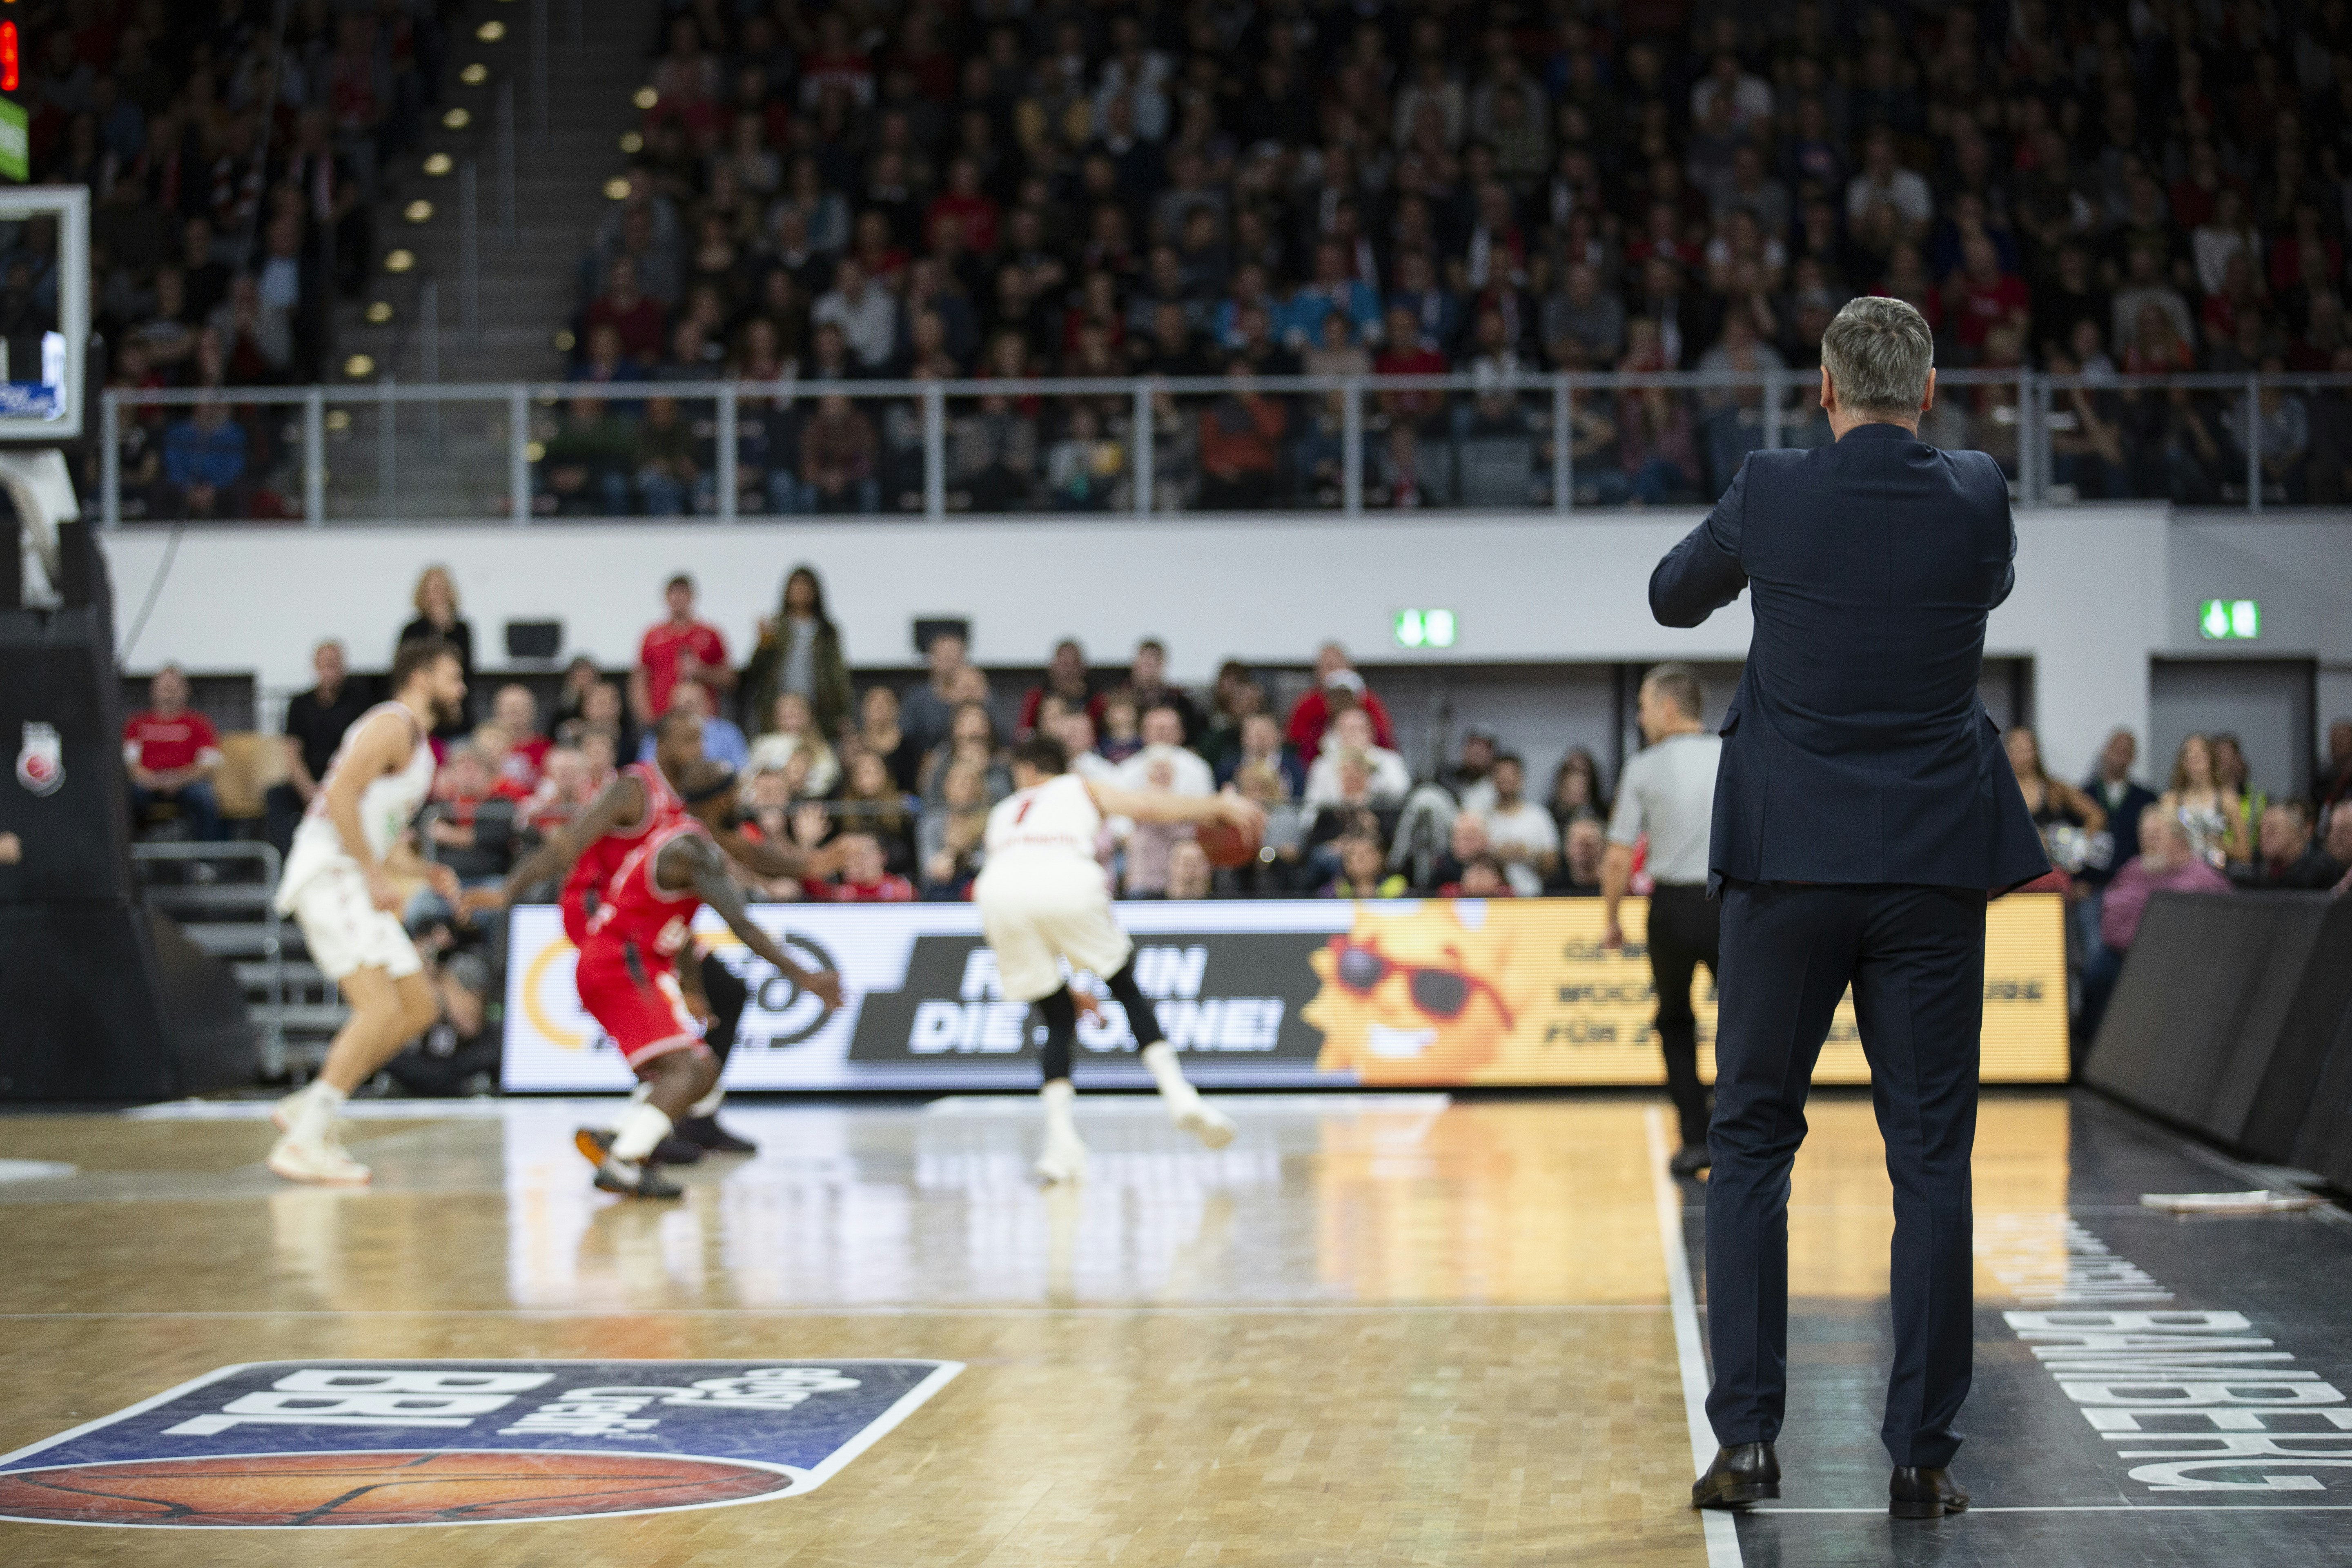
point(612, 1177)
point(705, 1134)
point(1690, 1160)
point(675, 1151)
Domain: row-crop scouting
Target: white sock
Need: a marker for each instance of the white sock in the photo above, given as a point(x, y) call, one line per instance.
point(1060, 1096)
point(642, 1092)
point(1160, 1057)
point(641, 1128)
point(709, 1104)
point(314, 1113)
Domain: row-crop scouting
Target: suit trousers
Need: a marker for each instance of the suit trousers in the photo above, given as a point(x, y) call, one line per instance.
point(1684, 927)
point(1915, 957)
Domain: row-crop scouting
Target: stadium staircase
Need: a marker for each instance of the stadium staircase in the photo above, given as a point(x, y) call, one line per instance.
point(456, 466)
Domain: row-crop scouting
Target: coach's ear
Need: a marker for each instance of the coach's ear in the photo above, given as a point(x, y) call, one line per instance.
point(1928, 397)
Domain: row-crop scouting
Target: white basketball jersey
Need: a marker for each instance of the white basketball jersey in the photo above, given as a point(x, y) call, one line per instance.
point(387, 805)
point(1057, 819)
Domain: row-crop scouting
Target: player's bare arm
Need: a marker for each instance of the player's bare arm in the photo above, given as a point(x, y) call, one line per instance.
point(380, 750)
point(698, 863)
point(769, 857)
point(404, 862)
point(1141, 806)
point(622, 801)
point(1616, 876)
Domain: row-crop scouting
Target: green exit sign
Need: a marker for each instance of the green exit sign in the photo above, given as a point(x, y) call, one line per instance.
point(2229, 620)
point(1424, 628)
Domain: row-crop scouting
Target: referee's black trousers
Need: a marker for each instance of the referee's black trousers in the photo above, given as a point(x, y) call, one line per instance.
point(1684, 927)
point(1915, 957)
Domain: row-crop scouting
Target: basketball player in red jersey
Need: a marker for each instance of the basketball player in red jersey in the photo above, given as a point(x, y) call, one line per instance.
point(639, 803)
point(631, 983)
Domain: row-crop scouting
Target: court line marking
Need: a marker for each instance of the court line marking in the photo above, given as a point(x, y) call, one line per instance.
point(1722, 1534)
point(2107, 1508)
point(864, 1310)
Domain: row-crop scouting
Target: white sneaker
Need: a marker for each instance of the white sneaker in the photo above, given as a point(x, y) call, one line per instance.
point(322, 1162)
point(1064, 1158)
point(281, 1115)
point(1192, 1114)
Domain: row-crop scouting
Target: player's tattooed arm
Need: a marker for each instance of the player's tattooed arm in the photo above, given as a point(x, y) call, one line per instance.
point(705, 864)
point(622, 800)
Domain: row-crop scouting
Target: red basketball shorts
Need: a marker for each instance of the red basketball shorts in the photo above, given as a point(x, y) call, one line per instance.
point(637, 1000)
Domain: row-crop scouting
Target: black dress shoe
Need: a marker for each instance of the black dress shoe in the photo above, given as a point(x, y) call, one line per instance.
point(705, 1133)
point(1742, 1474)
point(1690, 1160)
point(1924, 1491)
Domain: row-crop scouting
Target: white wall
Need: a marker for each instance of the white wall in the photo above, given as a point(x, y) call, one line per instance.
point(2090, 607)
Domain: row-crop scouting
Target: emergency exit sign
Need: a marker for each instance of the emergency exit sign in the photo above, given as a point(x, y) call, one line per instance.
point(2229, 620)
point(1423, 628)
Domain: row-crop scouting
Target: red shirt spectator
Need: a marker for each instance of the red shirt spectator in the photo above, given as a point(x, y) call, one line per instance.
point(1313, 714)
point(679, 648)
point(965, 202)
point(866, 876)
point(623, 306)
point(1985, 297)
point(163, 742)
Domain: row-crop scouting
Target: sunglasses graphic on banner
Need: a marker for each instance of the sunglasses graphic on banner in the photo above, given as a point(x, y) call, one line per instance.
point(1440, 992)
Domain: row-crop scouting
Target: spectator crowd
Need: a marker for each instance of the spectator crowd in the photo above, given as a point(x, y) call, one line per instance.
point(1494, 188)
point(233, 151)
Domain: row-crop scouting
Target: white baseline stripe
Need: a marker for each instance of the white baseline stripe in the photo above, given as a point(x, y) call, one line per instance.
point(1722, 1534)
point(2113, 1508)
point(891, 1309)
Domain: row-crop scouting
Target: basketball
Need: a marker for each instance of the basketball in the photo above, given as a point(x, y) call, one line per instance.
point(1227, 845)
point(409, 1487)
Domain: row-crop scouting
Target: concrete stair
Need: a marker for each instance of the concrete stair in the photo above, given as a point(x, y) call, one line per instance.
point(450, 460)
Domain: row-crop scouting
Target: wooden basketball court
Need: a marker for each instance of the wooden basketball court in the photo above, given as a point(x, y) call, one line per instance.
point(1372, 1331)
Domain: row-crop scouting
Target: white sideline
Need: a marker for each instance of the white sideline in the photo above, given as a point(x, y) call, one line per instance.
point(1722, 1534)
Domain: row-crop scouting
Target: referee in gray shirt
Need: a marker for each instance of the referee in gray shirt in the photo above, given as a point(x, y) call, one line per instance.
point(1667, 791)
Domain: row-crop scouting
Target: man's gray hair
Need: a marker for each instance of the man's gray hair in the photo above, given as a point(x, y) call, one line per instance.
point(1878, 353)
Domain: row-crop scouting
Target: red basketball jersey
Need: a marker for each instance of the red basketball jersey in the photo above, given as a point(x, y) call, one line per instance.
point(636, 915)
point(593, 872)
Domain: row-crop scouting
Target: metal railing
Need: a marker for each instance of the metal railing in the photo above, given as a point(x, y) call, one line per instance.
point(1528, 442)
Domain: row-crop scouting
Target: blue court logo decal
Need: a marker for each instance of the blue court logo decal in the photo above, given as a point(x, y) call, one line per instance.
point(352, 1443)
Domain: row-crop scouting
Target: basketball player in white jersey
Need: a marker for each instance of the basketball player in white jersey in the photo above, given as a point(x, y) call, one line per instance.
point(338, 887)
point(1045, 897)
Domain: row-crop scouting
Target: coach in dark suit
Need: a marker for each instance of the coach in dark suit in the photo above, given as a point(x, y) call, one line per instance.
point(1864, 813)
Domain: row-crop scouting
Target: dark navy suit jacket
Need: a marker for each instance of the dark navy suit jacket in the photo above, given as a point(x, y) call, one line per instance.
point(1856, 749)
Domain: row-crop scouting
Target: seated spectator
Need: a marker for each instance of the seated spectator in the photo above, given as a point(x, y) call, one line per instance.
point(2285, 858)
point(873, 802)
point(2069, 819)
point(1584, 844)
point(172, 754)
point(771, 815)
point(794, 732)
point(924, 711)
point(949, 840)
point(970, 738)
point(589, 461)
point(1147, 682)
point(1160, 766)
point(1189, 875)
point(1465, 841)
point(566, 785)
point(1522, 833)
point(1241, 445)
point(1261, 747)
point(865, 313)
point(837, 461)
point(1122, 734)
point(206, 457)
point(468, 826)
point(1481, 878)
point(881, 736)
point(866, 876)
point(2122, 798)
point(458, 1052)
point(638, 319)
point(1337, 684)
point(1350, 736)
point(1576, 787)
point(2167, 863)
point(671, 476)
point(722, 739)
point(1066, 678)
point(1469, 770)
point(516, 712)
point(1364, 872)
point(2338, 847)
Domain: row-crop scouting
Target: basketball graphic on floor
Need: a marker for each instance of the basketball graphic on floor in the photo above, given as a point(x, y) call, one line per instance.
point(427, 1488)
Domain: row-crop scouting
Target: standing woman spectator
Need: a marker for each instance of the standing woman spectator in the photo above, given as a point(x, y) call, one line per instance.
point(2065, 816)
point(2232, 772)
point(878, 732)
point(437, 616)
point(2210, 813)
point(799, 652)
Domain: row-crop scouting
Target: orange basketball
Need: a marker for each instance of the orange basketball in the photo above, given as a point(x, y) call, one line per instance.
point(427, 1488)
point(1227, 845)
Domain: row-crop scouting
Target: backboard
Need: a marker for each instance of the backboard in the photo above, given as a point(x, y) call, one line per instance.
point(43, 312)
